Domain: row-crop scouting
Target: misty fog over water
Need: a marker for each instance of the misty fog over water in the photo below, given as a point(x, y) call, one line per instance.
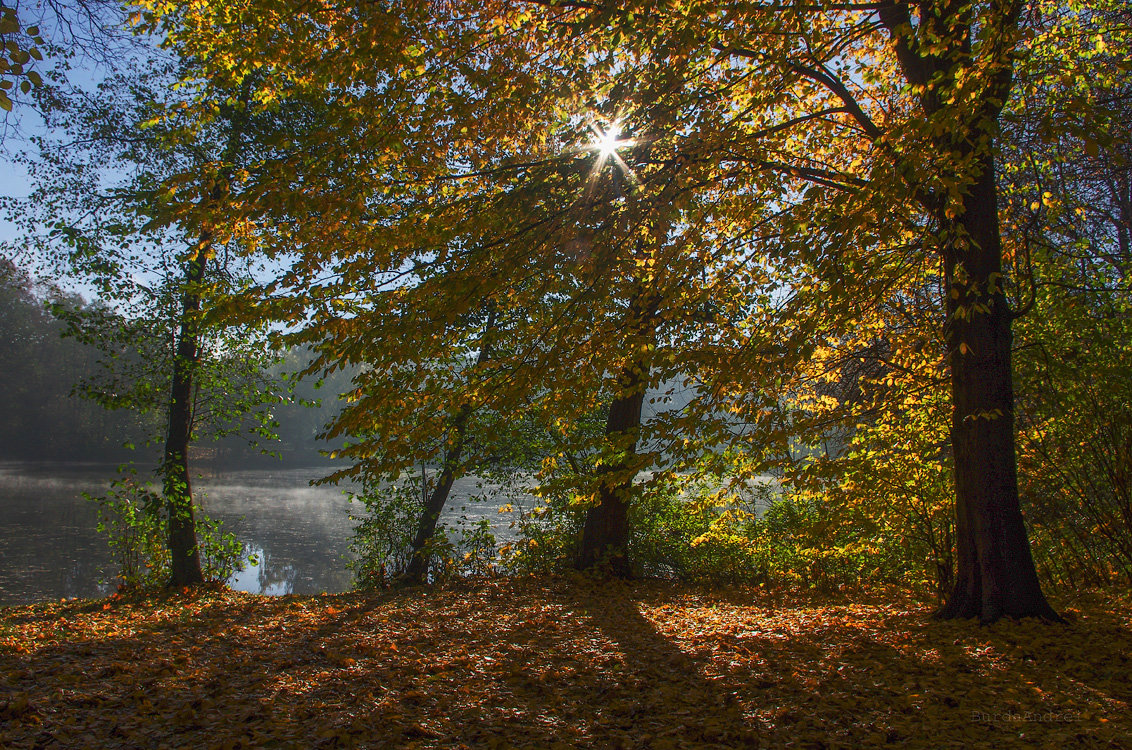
point(50, 547)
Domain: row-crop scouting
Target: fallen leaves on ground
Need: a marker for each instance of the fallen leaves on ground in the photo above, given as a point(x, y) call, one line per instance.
point(562, 663)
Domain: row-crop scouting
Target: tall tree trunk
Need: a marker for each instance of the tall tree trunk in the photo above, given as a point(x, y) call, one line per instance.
point(417, 570)
point(177, 489)
point(605, 534)
point(996, 575)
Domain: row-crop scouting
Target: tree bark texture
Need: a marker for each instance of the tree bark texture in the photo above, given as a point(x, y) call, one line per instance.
point(996, 573)
point(417, 570)
point(996, 576)
point(605, 534)
point(177, 489)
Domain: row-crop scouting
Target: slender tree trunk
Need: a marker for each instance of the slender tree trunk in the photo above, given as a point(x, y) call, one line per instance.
point(185, 555)
point(996, 574)
point(177, 489)
point(417, 570)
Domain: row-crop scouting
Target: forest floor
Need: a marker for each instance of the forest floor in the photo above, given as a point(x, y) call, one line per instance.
point(558, 663)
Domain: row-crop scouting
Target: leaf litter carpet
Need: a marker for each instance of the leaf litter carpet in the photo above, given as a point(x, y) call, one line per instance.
point(557, 663)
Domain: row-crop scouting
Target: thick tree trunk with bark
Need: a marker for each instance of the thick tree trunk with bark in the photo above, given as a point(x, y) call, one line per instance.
point(937, 54)
point(177, 490)
point(605, 535)
point(996, 575)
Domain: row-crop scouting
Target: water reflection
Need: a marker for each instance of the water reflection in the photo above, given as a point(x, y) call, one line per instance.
point(263, 577)
point(298, 534)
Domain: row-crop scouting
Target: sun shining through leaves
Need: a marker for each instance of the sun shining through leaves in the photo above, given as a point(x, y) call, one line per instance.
point(607, 142)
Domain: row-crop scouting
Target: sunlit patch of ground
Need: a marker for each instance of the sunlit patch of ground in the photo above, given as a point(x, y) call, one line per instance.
point(557, 663)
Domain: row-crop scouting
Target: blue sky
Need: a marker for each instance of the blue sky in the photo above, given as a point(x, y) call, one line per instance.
point(14, 183)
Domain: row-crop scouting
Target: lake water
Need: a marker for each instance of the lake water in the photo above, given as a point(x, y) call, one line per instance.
point(50, 547)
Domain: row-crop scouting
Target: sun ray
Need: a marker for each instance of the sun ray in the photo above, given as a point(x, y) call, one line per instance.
point(595, 172)
point(609, 141)
point(626, 170)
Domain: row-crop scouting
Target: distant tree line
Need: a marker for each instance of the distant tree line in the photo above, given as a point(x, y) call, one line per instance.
point(41, 416)
point(44, 416)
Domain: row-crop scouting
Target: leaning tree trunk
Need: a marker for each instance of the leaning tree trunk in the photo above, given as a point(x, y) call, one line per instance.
point(416, 571)
point(996, 575)
point(177, 490)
